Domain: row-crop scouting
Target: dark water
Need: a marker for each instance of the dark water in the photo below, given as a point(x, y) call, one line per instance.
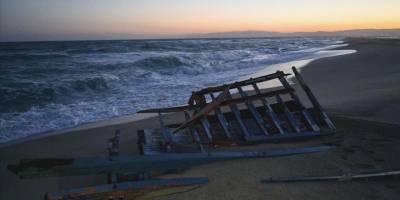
point(46, 86)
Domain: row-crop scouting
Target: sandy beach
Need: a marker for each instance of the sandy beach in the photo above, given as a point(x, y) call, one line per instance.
point(360, 91)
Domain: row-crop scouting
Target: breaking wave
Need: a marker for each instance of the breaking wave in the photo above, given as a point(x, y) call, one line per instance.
point(47, 86)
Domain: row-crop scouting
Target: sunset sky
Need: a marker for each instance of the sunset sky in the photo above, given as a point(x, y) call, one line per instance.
point(82, 19)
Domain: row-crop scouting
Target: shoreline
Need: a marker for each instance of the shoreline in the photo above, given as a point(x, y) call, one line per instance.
point(365, 83)
point(115, 121)
point(328, 51)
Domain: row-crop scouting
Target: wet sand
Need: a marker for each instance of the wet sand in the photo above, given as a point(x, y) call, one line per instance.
point(360, 91)
point(364, 85)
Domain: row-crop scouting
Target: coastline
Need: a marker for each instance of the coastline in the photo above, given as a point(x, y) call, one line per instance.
point(365, 83)
point(328, 51)
point(93, 86)
point(363, 72)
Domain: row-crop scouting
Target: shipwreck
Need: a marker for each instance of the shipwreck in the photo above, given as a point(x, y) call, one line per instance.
point(215, 116)
point(239, 113)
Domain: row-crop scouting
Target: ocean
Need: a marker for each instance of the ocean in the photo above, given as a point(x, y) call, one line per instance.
point(48, 86)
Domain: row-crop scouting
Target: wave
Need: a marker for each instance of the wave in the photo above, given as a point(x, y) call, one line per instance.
point(22, 96)
point(95, 83)
point(63, 84)
point(159, 62)
point(22, 99)
point(32, 56)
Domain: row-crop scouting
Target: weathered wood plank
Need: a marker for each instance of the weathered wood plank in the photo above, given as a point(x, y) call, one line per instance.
point(142, 163)
point(165, 110)
point(236, 112)
point(195, 133)
point(221, 119)
point(269, 110)
point(224, 103)
point(288, 114)
point(254, 112)
point(314, 126)
point(241, 83)
point(130, 189)
point(286, 137)
point(207, 128)
point(205, 110)
point(313, 99)
point(345, 177)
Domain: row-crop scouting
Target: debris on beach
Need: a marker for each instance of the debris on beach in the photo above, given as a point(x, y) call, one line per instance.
point(131, 176)
point(214, 116)
point(143, 164)
point(217, 116)
point(374, 175)
point(140, 189)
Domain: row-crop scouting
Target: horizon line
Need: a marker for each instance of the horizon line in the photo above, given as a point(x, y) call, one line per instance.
point(203, 35)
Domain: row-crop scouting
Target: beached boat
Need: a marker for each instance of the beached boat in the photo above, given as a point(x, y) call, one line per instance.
point(214, 116)
point(238, 113)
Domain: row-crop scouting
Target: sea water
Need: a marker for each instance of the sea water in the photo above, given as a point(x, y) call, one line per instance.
point(47, 86)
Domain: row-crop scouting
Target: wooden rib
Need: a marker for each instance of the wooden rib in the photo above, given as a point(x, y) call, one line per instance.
point(236, 113)
point(242, 83)
point(304, 111)
point(221, 119)
point(207, 128)
point(270, 111)
point(256, 97)
point(194, 133)
point(206, 109)
point(313, 99)
point(288, 114)
point(223, 103)
point(254, 112)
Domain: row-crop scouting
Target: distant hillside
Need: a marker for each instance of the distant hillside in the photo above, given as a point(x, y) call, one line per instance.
point(391, 33)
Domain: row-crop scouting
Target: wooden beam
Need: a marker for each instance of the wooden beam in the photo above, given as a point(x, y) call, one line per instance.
point(195, 133)
point(269, 110)
point(133, 164)
point(313, 99)
point(130, 190)
point(289, 115)
point(254, 112)
point(165, 110)
point(221, 119)
point(242, 83)
point(236, 112)
point(205, 110)
point(314, 126)
point(345, 177)
point(223, 103)
point(255, 97)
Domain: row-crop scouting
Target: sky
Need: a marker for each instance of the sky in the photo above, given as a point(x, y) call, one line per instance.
point(22, 20)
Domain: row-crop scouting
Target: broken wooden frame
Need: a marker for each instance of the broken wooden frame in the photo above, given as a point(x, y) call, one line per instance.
point(213, 116)
point(239, 113)
point(129, 176)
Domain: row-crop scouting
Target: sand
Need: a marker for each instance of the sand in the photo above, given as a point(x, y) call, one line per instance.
point(360, 91)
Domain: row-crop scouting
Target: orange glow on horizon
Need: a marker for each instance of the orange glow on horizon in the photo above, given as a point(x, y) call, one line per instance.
point(175, 17)
point(207, 27)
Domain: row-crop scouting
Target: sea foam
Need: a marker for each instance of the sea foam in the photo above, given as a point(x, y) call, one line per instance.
point(48, 86)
